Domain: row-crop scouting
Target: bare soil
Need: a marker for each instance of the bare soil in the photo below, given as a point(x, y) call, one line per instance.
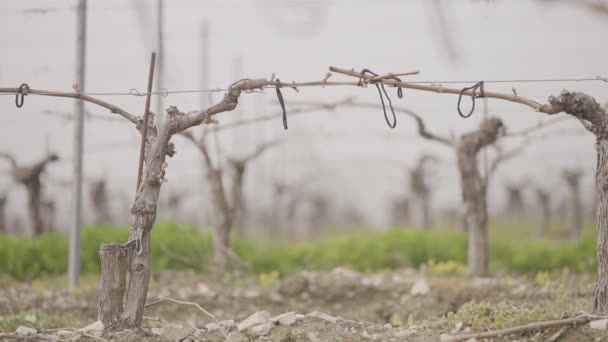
point(405, 305)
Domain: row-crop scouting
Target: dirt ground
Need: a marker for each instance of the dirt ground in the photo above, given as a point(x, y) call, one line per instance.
point(405, 305)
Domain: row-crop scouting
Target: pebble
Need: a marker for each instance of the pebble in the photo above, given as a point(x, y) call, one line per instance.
point(457, 328)
point(286, 319)
point(312, 337)
point(420, 287)
point(323, 316)
point(227, 323)
point(235, 336)
point(65, 332)
point(255, 319)
point(600, 324)
point(24, 331)
point(262, 329)
point(212, 326)
point(157, 331)
point(445, 337)
point(95, 328)
point(177, 332)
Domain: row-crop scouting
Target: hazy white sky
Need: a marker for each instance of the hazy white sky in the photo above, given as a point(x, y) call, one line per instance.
point(361, 159)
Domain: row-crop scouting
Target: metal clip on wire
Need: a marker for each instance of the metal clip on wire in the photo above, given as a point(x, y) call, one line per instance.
point(382, 89)
point(24, 89)
point(474, 94)
point(278, 86)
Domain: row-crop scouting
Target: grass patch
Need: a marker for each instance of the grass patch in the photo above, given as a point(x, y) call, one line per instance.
point(38, 320)
point(186, 247)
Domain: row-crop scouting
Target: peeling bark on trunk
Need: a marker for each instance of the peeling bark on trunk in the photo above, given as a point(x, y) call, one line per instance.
point(544, 202)
point(595, 119)
point(601, 184)
point(141, 219)
point(575, 206)
point(114, 258)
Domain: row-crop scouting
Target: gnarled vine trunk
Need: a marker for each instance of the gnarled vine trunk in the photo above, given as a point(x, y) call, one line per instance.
point(475, 217)
point(400, 212)
point(33, 188)
point(222, 222)
point(601, 185)
point(575, 206)
point(48, 214)
point(515, 202)
point(474, 192)
point(100, 202)
point(29, 177)
point(141, 219)
point(544, 202)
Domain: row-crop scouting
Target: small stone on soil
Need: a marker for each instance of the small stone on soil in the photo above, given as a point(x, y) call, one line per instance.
point(212, 326)
point(255, 319)
point(176, 332)
point(157, 331)
point(323, 316)
point(457, 328)
point(95, 328)
point(227, 323)
point(235, 336)
point(600, 324)
point(445, 337)
point(286, 319)
point(420, 287)
point(262, 329)
point(312, 337)
point(65, 332)
point(24, 331)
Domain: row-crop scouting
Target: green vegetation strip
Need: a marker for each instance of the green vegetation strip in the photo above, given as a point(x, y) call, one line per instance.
point(182, 247)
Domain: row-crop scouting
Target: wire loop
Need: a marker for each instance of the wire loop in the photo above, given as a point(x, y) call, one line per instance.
point(21, 93)
point(136, 92)
point(381, 89)
point(474, 95)
point(278, 86)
